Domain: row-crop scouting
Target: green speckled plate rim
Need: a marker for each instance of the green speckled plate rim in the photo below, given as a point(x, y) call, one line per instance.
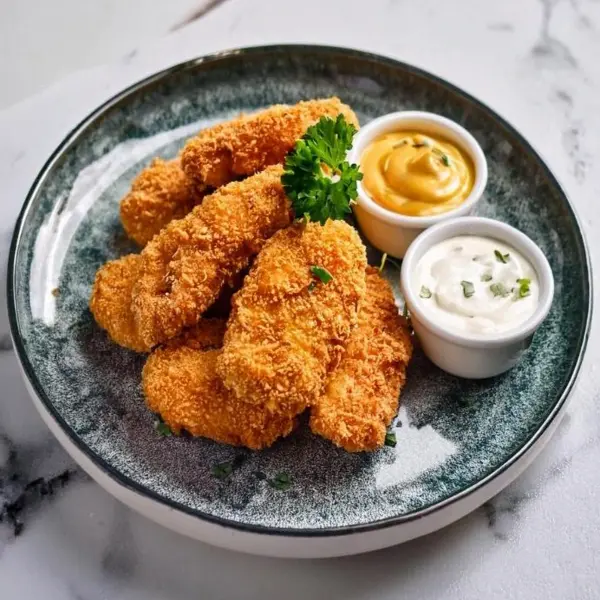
point(562, 395)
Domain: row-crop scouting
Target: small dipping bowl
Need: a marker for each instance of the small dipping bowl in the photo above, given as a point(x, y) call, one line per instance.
point(391, 232)
point(457, 353)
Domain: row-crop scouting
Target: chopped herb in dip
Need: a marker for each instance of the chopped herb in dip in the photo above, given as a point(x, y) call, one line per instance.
point(503, 258)
point(468, 288)
point(524, 288)
point(499, 289)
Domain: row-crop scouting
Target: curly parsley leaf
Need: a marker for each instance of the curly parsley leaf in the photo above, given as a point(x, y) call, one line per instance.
point(317, 177)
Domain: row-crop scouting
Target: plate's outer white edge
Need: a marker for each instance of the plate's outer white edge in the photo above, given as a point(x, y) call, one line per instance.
point(282, 546)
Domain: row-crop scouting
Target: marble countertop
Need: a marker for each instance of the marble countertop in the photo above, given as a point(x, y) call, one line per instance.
point(536, 63)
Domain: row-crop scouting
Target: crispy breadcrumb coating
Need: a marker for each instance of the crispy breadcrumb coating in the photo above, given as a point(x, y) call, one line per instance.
point(208, 334)
point(185, 267)
point(160, 193)
point(181, 385)
point(287, 329)
point(250, 143)
point(110, 304)
point(110, 301)
point(361, 397)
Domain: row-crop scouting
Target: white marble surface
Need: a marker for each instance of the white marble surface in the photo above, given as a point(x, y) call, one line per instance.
point(535, 62)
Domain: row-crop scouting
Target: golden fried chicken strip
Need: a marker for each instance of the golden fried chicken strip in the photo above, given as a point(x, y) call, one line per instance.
point(287, 328)
point(361, 397)
point(208, 334)
point(250, 143)
point(160, 193)
point(181, 385)
point(185, 266)
point(110, 302)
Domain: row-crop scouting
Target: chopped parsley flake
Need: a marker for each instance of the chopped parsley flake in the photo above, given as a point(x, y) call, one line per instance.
point(390, 439)
point(281, 481)
point(468, 288)
point(323, 274)
point(163, 429)
point(443, 156)
point(425, 292)
point(503, 258)
point(499, 289)
point(223, 470)
point(524, 288)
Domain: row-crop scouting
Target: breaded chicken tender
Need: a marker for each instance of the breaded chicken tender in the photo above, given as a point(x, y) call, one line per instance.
point(185, 267)
point(250, 143)
point(208, 334)
point(110, 302)
point(160, 193)
point(361, 397)
point(288, 328)
point(181, 385)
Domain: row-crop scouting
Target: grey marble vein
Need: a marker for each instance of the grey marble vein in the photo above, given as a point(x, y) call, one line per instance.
point(550, 51)
point(5, 342)
point(205, 7)
point(120, 556)
point(501, 26)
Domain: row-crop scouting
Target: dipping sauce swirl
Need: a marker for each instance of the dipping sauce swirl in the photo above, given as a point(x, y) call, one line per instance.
point(416, 174)
point(476, 285)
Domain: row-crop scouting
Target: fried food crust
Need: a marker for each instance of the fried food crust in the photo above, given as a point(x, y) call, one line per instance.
point(250, 143)
point(361, 397)
point(160, 193)
point(180, 383)
point(287, 329)
point(185, 267)
point(110, 302)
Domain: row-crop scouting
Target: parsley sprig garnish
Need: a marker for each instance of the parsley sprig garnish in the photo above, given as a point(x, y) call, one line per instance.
point(317, 177)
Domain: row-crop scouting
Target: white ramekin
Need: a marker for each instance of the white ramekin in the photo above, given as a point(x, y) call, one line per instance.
point(392, 232)
point(461, 354)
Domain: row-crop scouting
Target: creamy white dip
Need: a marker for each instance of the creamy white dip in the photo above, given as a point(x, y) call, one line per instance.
point(476, 285)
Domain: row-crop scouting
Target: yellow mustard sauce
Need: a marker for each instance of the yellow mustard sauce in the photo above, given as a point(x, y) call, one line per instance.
point(415, 174)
